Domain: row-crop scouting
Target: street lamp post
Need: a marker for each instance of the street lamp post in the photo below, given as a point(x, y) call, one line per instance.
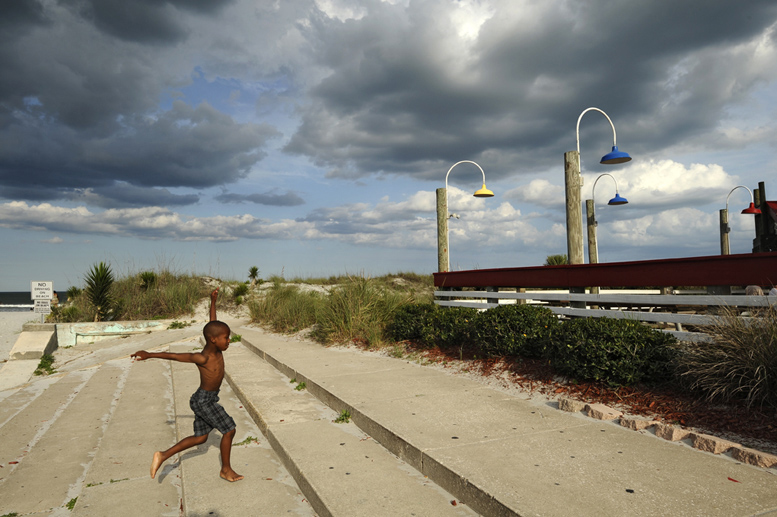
point(443, 247)
point(590, 209)
point(725, 229)
point(573, 182)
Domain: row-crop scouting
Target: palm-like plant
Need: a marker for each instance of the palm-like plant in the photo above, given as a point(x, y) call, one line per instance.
point(253, 274)
point(98, 282)
point(556, 260)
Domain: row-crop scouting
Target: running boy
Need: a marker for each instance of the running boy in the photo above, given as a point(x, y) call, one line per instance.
point(208, 414)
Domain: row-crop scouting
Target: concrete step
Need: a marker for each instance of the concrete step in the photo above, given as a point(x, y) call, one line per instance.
point(268, 488)
point(514, 455)
point(341, 470)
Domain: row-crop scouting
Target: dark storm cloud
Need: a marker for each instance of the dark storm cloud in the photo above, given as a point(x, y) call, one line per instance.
point(142, 21)
point(268, 198)
point(17, 13)
point(183, 147)
point(405, 96)
point(123, 195)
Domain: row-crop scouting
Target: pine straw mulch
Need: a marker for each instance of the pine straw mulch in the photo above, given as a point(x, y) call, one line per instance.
point(751, 427)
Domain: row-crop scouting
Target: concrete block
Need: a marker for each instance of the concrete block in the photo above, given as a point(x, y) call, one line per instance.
point(637, 424)
point(713, 444)
point(602, 412)
point(32, 345)
point(671, 433)
point(570, 405)
point(753, 457)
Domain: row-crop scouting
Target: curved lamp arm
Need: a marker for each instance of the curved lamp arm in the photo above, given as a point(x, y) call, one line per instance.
point(614, 136)
point(593, 189)
point(752, 199)
point(465, 161)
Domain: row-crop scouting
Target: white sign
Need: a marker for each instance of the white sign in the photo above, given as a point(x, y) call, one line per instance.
point(42, 290)
point(42, 307)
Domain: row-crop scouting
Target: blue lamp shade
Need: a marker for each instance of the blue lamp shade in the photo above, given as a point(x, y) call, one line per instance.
point(618, 200)
point(615, 156)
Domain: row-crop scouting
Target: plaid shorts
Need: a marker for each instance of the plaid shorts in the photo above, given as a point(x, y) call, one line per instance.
point(208, 414)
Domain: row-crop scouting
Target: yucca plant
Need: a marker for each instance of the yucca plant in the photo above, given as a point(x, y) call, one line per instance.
point(98, 282)
point(253, 275)
point(556, 260)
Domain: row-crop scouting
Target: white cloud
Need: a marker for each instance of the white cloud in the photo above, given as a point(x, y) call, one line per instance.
point(538, 192)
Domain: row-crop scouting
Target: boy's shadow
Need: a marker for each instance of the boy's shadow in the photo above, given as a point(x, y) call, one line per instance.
point(214, 440)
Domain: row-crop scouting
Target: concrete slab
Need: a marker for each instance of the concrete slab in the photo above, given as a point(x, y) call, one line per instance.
point(342, 470)
point(48, 475)
point(267, 489)
point(128, 498)
point(601, 469)
point(32, 345)
point(17, 372)
point(141, 421)
point(28, 420)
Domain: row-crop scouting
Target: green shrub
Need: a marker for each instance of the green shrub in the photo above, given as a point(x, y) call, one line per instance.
point(449, 327)
point(147, 279)
point(618, 352)
point(514, 330)
point(65, 314)
point(240, 290)
point(739, 364)
point(409, 322)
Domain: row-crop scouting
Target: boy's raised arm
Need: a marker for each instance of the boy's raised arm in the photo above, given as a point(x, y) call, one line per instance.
point(197, 358)
point(213, 296)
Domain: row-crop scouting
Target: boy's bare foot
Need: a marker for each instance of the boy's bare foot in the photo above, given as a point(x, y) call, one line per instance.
point(156, 463)
point(230, 475)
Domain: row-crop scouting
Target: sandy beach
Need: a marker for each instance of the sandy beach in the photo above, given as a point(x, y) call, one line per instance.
point(10, 327)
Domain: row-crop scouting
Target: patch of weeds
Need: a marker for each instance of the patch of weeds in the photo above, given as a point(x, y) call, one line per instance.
point(119, 480)
point(248, 440)
point(89, 485)
point(301, 386)
point(12, 514)
point(397, 352)
point(235, 338)
point(45, 366)
point(178, 325)
point(344, 418)
point(293, 380)
point(71, 504)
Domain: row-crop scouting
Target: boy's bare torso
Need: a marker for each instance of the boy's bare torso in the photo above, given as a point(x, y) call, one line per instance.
point(211, 369)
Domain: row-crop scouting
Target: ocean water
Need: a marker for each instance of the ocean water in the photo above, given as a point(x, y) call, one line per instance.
point(20, 301)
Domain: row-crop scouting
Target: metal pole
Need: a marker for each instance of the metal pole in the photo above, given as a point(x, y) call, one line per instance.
point(725, 248)
point(574, 208)
point(443, 264)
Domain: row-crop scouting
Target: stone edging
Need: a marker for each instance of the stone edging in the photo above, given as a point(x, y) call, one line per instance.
point(700, 441)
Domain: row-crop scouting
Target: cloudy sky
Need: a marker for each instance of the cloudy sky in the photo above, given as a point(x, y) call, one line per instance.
point(308, 137)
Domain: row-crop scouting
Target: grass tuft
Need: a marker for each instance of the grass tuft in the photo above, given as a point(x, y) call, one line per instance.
point(741, 362)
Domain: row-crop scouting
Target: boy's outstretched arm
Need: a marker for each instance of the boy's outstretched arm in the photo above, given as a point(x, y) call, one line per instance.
point(213, 296)
point(197, 358)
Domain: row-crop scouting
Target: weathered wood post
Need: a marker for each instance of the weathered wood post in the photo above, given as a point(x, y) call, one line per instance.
point(443, 264)
point(725, 248)
point(572, 184)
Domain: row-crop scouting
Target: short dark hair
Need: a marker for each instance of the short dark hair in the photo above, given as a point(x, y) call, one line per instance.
point(214, 328)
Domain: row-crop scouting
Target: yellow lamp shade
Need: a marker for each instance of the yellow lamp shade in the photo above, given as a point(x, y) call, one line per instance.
point(483, 192)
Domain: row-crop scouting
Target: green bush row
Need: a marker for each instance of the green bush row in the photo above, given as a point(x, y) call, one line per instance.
point(618, 352)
